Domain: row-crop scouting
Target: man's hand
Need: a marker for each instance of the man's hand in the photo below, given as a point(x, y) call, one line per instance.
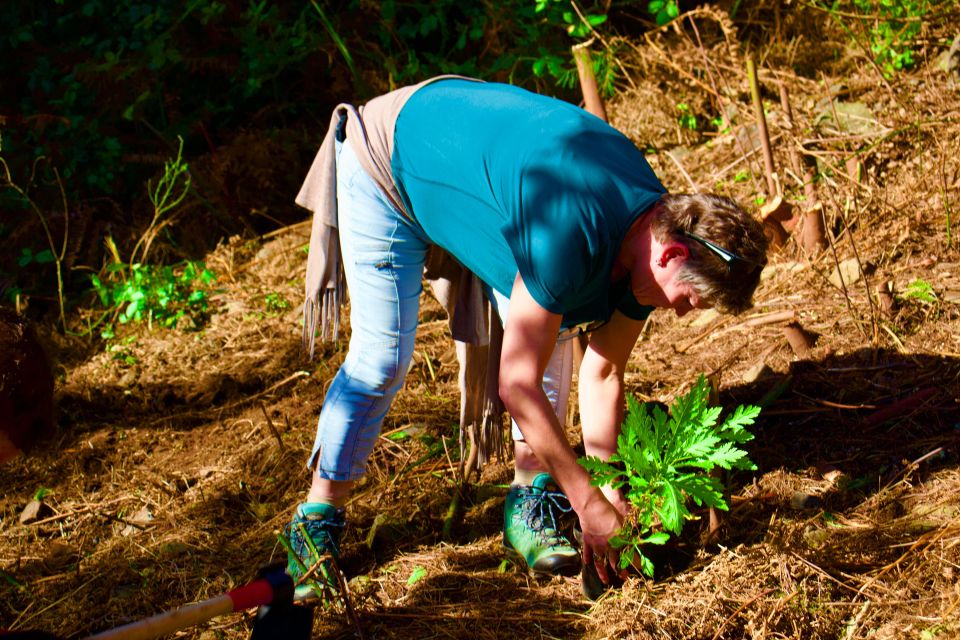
point(615, 497)
point(601, 521)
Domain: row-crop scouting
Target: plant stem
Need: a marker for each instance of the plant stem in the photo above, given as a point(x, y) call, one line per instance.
point(57, 256)
point(761, 126)
point(592, 101)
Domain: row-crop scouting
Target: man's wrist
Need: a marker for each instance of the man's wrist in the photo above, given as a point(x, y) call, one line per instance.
point(585, 497)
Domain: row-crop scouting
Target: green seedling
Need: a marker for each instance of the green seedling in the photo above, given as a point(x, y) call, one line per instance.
point(28, 257)
point(275, 303)
point(920, 291)
point(416, 575)
point(165, 196)
point(664, 461)
point(720, 125)
point(686, 119)
point(889, 27)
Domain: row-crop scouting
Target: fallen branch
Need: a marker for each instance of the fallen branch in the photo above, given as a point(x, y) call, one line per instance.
point(900, 407)
point(801, 340)
point(273, 429)
point(776, 210)
point(770, 318)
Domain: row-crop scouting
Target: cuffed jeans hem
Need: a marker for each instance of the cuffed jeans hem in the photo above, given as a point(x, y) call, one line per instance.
point(338, 476)
point(352, 472)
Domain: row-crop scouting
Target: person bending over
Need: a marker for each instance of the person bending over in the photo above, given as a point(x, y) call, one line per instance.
point(569, 230)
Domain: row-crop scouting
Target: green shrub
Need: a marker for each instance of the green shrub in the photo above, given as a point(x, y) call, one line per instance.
point(157, 294)
point(889, 27)
point(667, 461)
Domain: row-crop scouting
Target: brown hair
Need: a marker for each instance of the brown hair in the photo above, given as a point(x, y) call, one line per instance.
point(727, 286)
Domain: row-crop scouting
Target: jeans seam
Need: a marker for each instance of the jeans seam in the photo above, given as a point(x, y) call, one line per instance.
point(363, 419)
point(384, 261)
point(356, 440)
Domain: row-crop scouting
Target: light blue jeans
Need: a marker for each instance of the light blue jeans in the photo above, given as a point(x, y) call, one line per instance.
point(383, 255)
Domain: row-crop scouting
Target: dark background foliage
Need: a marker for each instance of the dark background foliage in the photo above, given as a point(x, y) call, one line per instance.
point(95, 95)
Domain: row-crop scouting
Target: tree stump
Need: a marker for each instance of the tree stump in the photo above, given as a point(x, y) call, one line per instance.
point(26, 386)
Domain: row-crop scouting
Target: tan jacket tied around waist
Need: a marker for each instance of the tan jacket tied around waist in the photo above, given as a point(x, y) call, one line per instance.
point(369, 130)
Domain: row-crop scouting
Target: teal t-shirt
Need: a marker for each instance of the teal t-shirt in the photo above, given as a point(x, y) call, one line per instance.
point(507, 180)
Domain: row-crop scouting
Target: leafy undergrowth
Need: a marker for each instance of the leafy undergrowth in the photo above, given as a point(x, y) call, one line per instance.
point(182, 453)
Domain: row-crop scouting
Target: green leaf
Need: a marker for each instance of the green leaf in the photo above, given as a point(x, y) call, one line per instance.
point(919, 290)
point(671, 509)
point(131, 311)
point(416, 575)
point(646, 566)
point(658, 538)
point(729, 457)
point(734, 427)
point(703, 490)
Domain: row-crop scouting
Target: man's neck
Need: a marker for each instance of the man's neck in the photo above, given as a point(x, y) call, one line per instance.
point(631, 245)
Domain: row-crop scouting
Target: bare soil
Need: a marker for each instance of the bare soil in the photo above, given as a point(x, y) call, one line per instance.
point(181, 454)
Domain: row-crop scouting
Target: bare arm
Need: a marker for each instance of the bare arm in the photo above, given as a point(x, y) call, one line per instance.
point(601, 390)
point(529, 337)
point(601, 383)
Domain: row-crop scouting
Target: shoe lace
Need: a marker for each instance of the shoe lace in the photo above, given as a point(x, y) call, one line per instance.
point(321, 532)
point(539, 510)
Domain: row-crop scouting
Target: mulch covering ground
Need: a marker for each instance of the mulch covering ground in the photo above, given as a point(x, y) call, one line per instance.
point(181, 454)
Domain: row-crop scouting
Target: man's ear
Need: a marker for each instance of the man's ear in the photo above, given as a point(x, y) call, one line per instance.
point(672, 251)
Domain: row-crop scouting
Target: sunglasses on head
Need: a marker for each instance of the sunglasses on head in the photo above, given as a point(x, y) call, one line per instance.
point(732, 260)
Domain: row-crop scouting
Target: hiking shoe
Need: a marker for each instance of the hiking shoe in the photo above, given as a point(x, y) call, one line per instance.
point(532, 531)
point(313, 533)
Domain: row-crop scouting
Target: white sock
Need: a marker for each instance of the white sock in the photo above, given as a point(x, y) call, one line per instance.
point(525, 476)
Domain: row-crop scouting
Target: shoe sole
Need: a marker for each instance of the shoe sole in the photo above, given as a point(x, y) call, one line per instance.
point(516, 556)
